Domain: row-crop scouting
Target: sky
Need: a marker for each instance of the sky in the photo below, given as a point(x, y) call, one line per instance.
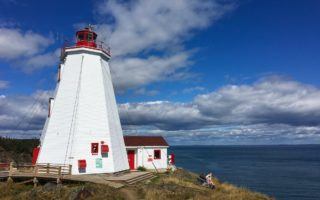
point(219, 72)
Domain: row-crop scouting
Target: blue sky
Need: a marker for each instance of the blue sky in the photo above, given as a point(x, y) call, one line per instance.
point(223, 72)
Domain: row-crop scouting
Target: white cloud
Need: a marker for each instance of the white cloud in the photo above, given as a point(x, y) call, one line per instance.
point(15, 43)
point(40, 61)
point(26, 50)
point(23, 116)
point(145, 25)
point(144, 91)
point(162, 114)
point(271, 110)
point(135, 72)
point(193, 89)
point(256, 134)
point(272, 100)
point(134, 29)
point(4, 84)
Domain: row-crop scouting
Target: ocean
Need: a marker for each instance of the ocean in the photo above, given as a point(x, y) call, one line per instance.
point(286, 172)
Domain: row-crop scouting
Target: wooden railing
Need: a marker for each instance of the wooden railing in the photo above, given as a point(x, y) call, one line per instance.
point(40, 169)
point(4, 166)
point(54, 169)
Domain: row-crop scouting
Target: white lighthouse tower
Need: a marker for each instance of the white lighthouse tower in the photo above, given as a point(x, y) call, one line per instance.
point(83, 127)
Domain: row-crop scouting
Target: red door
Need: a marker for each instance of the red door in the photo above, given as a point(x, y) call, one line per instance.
point(131, 158)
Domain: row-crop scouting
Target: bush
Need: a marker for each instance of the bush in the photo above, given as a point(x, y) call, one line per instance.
point(17, 150)
point(19, 145)
point(141, 168)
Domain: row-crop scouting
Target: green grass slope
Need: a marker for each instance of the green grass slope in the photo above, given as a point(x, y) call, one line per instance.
point(180, 185)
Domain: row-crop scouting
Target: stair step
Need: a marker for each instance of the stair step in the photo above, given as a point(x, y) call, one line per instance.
point(136, 181)
point(138, 177)
point(141, 178)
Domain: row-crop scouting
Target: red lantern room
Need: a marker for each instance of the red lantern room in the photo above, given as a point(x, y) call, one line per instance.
point(86, 38)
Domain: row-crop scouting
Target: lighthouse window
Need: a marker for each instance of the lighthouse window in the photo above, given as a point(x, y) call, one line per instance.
point(80, 37)
point(94, 148)
point(90, 37)
point(157, 154)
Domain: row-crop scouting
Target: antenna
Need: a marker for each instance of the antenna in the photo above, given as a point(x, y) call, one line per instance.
point(90, 27)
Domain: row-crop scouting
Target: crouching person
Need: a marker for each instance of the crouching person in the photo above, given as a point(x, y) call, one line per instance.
point(206, 180)
point(209, 181)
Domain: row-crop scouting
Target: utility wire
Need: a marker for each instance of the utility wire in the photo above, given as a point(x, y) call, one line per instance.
point(74, 111)
point(31, 110)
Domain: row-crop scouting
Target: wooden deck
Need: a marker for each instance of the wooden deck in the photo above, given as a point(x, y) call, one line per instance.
point(62, 173)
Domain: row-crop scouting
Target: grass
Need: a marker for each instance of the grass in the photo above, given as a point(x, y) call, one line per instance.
point(183, 185)
point(179, 185)
point(51, 191)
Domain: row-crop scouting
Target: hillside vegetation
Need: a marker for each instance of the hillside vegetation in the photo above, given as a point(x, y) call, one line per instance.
point(19, 151)
point(180, 185)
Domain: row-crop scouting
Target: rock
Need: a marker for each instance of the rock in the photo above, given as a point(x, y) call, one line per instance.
point(83, 194)
point(49, 187)
point(170, 187)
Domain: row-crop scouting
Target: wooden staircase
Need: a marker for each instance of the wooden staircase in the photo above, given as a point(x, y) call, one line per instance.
point(140, 178)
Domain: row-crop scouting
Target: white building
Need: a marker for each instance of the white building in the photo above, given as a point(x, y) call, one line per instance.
point(83, 127)
point(147, 151)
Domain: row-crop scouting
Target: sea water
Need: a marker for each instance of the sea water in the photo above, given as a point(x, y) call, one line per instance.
point(286, 172)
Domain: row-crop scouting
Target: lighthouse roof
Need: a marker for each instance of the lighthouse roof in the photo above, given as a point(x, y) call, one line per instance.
point(145, 141)
point(86, 40)
point(86, 37)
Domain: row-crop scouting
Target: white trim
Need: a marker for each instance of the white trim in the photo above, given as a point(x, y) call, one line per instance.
point(84, 49)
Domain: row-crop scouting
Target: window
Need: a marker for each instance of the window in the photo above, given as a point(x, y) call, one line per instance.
point(94, 148)
point(157, 154)
point(59, 73)
point(94, 38)
point(90, 37)
point(80, 36)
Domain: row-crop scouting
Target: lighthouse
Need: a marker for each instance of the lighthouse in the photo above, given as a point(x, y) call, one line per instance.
point(83, 127)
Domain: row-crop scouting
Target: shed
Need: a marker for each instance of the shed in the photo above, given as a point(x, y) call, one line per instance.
point(147, 151)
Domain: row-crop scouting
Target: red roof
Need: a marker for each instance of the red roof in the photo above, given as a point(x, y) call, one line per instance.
point(145, 141)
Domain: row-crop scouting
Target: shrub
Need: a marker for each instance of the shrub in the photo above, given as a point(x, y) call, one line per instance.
point(141, 168)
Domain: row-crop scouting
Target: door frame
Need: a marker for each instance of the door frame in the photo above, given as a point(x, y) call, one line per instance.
point(134, 158)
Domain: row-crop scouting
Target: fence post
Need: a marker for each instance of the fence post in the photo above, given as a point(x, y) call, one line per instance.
point(48, 168)
point(10, 169)
point(59, 175)
point(10, 180)
point(35, 182)
point(35, 170)
point(70, 169)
